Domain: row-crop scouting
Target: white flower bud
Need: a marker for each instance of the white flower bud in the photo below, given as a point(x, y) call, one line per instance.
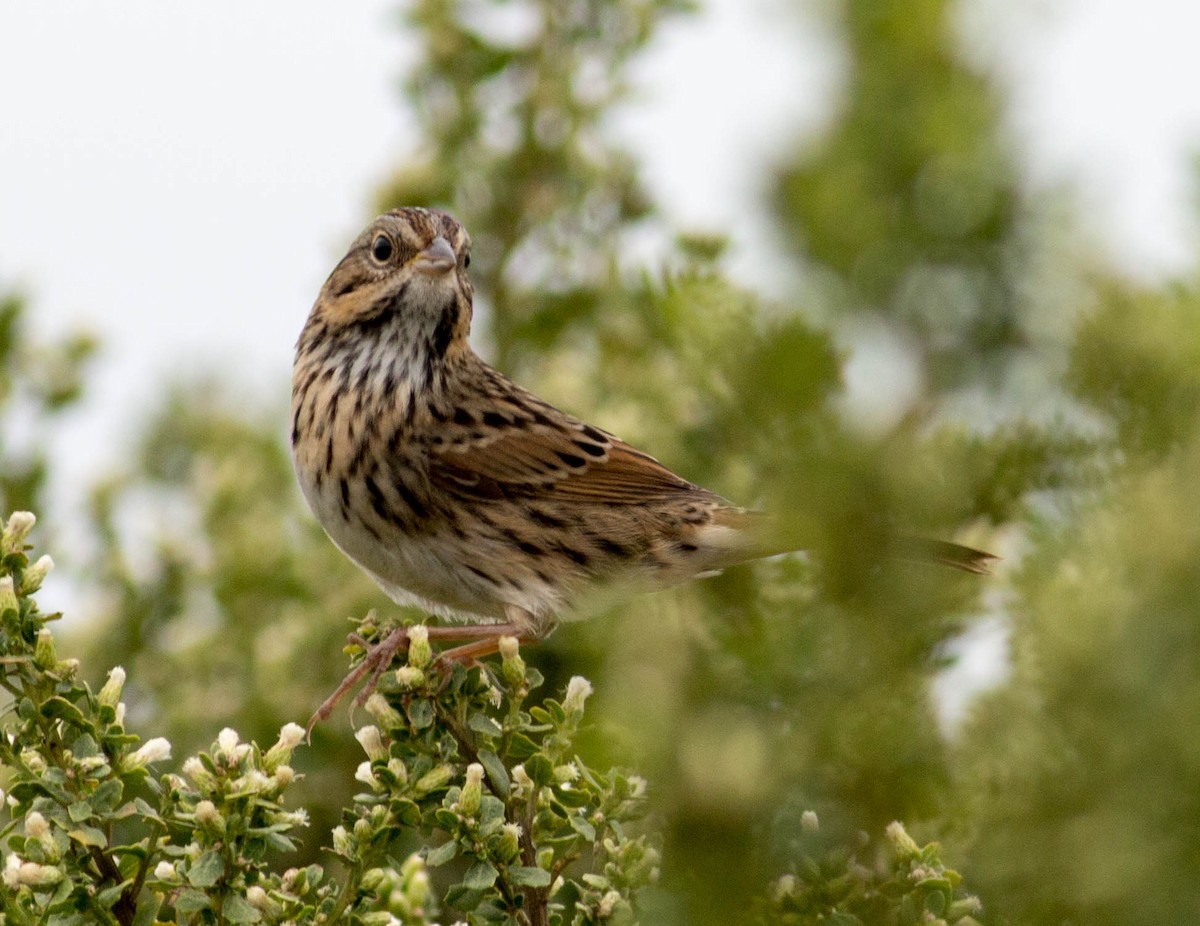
point(198, 772)
point(291, 735)
point(510, 647)
point(906, 847)
point(44, 655)
point(35, 575)
point(154, 750)
point(566, 773)
point(227, 744)
point(342, 843)
point(33, 760)
point(31, 874)
point(420, 653)
point(510, 842)
point(36, 826)
point(607, 904)
point(364, 774)
point(472, 792)
point(8, 595)
point(372, 743)
point(809, 822)
point(284, 775)
point(398, 769)
point(20, 523)
point(410, 677)
point(578, 690)
point(389, 718)
point(110, 694)
point(165, 871)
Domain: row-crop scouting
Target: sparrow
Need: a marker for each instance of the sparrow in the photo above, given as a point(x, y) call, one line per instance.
point(464, 494)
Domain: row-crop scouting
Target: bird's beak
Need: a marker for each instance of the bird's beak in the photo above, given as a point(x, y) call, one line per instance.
point(436, 259)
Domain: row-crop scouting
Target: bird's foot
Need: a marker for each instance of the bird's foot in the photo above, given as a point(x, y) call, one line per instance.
point(374, 664)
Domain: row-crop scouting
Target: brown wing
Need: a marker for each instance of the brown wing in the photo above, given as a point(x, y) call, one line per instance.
point(516, 444)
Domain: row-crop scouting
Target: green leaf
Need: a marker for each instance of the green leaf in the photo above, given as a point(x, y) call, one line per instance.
point(521, 746)
point(84, 746)
point(89, 836)
point(572, 798)
point(406, 811)
point(462, 897)
point(420, 713)
point(496, 772)
point(583, 828)
point(147, 913)
point(482, 723)
point(540, 769)
point(236, 909)
point(79, 811)
point(107, 796)
point(63, 709)
point(442, 854)
point(191, 901)
point(480, 876)
point(110, 895)
point(207, 870)
point(522, 876)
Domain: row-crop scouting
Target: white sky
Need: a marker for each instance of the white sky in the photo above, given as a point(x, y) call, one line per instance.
point(180, 178)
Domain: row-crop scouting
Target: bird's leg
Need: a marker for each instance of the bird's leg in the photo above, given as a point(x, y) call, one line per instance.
point(487, 642)
point(520, 624)
point(378, 658)
point(376, 661)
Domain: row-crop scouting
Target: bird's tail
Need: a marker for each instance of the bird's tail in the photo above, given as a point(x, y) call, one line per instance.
point(943, 553)
point(759, 536)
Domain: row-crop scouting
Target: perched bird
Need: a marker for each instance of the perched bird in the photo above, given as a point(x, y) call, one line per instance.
point(462, 493)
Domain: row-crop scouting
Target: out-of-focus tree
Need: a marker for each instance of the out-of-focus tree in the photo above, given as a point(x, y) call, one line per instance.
point(38, 383)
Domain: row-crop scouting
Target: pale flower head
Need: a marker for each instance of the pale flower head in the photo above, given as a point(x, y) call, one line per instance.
point(36, 826)
point(578, 691)
point(154, 750)
point(227, 743)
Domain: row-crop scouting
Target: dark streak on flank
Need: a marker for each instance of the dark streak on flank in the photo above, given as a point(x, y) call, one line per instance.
point(576, 556)
point(545, 518)
point(490, 579)
point(378, 502)
point(410, 498)
point(613, 548)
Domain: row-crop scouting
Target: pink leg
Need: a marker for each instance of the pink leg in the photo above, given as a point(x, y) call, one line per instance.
point(379, 657)
point(376, 661)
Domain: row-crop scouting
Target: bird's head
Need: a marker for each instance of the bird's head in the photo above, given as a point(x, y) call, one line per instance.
point(407, 270)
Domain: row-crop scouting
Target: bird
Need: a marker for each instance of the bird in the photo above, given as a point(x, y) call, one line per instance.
point(461, 492)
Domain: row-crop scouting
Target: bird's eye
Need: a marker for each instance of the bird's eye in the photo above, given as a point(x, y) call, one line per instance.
point(381, 248)
point(467, 261)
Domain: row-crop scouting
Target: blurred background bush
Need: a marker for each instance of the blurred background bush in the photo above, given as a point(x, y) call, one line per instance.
point(1039, 403)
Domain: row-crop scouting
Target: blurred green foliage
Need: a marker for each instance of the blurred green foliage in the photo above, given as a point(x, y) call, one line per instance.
point(39, 383)
point(1067, 794)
